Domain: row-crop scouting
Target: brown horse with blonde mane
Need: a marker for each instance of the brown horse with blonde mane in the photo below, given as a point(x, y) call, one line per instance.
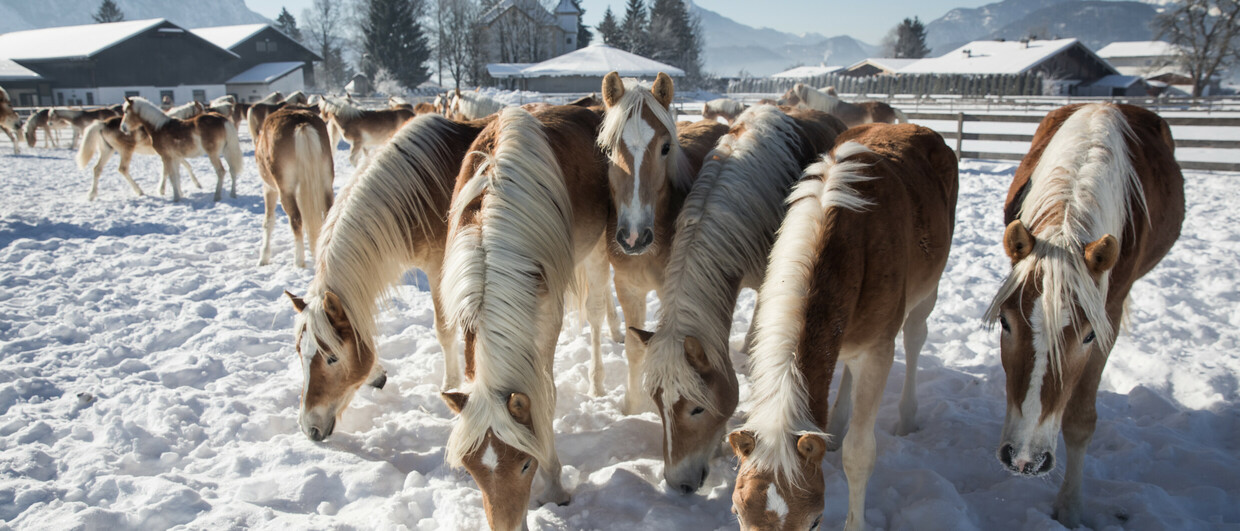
point(363, 129)
point(858, 258)
point(295, 163)
point(527, 216)
point(41, 119)
point(852, 114)
point(105, 137)
point(79, 119)
point(1094, 206)
point(175, 140)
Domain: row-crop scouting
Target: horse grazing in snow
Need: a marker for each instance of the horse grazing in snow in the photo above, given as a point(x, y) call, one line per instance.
point(529, 209)
point(295, 163)
point(858, 258)
point(723, 236)
point(105, 137)
point(852, 114)
point(363, 129)
point(390, 217)
point(1094, 206)
point(175, 140)
point(79, 119)
point(41, 119)
point(725, 108)
point(651, 165)
point(10, 122)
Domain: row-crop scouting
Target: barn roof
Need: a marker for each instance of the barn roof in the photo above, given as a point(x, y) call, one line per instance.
point(891, 64)
point(227, 37)
point(71, 42)
point(266, 72)
point(1138, 49)
point(996, 57)
point(11, 71)
point(1116, 81)
point(803, 72)
point(594, 60)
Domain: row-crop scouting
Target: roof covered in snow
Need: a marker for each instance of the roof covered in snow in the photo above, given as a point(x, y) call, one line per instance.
point(891, 64)
point(1138, 49)
point(596, 60)
point(501, 70)
point(11, 71)
point(566, 7)
point(227, 37)
point(531, 8)
point(805, 72)
point(71, 42)
point(266, 72)
point(994, 57)
point(1117, 81)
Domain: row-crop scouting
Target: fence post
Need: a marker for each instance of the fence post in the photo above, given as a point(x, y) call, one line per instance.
point(959, 133)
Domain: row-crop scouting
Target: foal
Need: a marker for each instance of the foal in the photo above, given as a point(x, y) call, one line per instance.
point(295, 163)
point(363, 129)
point(79, 119)
point(105, 137)
point(175, 140)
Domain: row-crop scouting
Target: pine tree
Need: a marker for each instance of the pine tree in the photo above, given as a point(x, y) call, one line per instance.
point(634, 28)
point(911, 39)
point(288, 25)
point(393, 39)
point(609, 30)
point(583, 31)
point(674, 37)
point(108, 12)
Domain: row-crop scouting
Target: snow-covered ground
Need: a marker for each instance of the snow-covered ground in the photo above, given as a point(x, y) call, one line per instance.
point(148, 380)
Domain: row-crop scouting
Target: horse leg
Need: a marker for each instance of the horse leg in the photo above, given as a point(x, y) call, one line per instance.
point(446, 335)
point(355, 152)
point(189, 169)
point(614, 324)
point(219, 175)
point(870, 370)
point(633, 304)
point(123, 168)
point(288, 199)
point(1079, 420)
point(13, 139)
point(837, 420)
point(77, 133)
point(598, 294)
point(914, 339)
point(270, 197)
point(172, 171)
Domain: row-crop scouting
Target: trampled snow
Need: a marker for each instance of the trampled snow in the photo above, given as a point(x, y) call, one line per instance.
point(150, 381)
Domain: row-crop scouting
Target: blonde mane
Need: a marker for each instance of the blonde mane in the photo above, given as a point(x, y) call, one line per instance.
point(149, 112)
point(341, 109)
point(816, 99)
point(723, 234)
point(473, 105)
point(637, 97)
point(492, 288)
point(780, 398)
point(271, 99)
point(184, 112)
point(1083, 187)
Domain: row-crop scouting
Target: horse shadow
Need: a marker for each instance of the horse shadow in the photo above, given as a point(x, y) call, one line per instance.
point(11, 231)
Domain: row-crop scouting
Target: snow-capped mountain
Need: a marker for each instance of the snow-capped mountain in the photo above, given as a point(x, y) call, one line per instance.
point(18, 15)
point(1095, 23)
point(731, 46)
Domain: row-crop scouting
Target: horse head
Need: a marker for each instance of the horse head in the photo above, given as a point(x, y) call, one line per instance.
point(790, 499)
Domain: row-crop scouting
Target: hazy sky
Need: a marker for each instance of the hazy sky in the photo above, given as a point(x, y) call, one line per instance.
point(865, 20)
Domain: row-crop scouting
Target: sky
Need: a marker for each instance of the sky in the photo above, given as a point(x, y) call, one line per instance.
point(828, 17)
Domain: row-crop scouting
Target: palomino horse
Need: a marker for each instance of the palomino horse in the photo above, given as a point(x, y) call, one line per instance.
point(858, 257)
point(175, 140)
point(392, 216)
point(802, 95)
point(105, 137)
point(363, 129)
point(256, 114)
point(651, 165)
point(723, 236)
point(274, 97)
point(1094, 206)
point(41, 119)
point(530, 202)
point(295, 163)
point(296, 98)
point(239, 112)
point(79, 119)
point(10, 122)
point(472, 106)
point(725, 108)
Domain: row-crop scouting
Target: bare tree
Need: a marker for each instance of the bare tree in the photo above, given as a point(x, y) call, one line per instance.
point(457, 38)
point(1207, 33)
point(323, 35)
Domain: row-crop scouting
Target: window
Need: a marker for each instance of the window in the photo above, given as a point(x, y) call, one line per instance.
point(262, 46)
point(271, 46)
point(166, 98)
point(90, 98)
point(131, 93)
point(60, 99)
point(200, 95)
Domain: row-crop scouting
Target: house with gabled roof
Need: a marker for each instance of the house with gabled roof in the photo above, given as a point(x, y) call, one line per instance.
point(1063, 63)
point(523, 31)
point(266, 59)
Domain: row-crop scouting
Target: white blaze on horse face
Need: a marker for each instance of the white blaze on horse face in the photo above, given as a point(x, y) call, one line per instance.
point(775, 503)
point(490, 459)
point(1033, 436)
point(308, 351)
point(637, 135)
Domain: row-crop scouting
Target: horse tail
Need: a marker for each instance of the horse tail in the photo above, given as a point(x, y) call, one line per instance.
point(232, 149)
point(900, 117)
point(315, 175)
point(91, 138)
point(255, 126)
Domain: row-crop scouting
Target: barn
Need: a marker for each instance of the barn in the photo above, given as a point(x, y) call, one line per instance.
point(1063, 63)
point(581, 70)
point(269, 60)
point(878, 66)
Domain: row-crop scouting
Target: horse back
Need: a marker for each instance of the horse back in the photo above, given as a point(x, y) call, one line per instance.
point(819, 132)
point(697, 139)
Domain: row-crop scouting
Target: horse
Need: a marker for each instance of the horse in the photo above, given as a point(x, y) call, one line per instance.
point(295, 163)
point(41, 119)
point(638, 126)
point(239, 112)
point(10, 122)
point(802, 95)
point(297, 98)
point(175, 140)
point(186, 111)
point(362, 129)
point(274, 97)
point(223, 108)
point(725, 108)
point(391, 217)
point(79, 119)
point(723, 236)
point(857, 259)
point(105, 137)
point(1094, 206)
point(256, 114)
point(528, 215)
point(472, 105)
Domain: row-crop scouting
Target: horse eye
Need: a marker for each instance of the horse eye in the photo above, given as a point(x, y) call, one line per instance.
point(331, 359)
point(817, 521)
point(1003, 322)
point(697, 411)
point(1089, 338)
point(667, 146)
point(527, 465)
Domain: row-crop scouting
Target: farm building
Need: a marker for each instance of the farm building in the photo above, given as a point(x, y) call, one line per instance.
point(524, 30)
point(267, 59)
point(1064, 63)
point(1141, 58)
point(877, 66)
point(1129, 86)
point(806, 72)
point(581, 70)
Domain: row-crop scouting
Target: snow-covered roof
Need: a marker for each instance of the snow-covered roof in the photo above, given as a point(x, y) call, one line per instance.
point(566, 7)
point(891, 64)
point(598, 60)
point(805, 72)
point(532, 9)
point(1138, 49)
point(11, 71)
point(502, 70)
point(992, 57)
point(228, 36)
point(1117, 81)
point(266, 72)
point(70, 42)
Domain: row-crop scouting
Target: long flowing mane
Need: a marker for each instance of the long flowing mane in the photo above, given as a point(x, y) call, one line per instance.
point(781, 398)
point(1083, 187)
point(491, 287)
point(474, 105)
point(184, 112)
point(149, 112)
point(365, 244)
point(628, 110)
point(723, 232)
point(341, 108)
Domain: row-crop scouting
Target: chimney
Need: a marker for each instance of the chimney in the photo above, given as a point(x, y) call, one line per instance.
point(967, 53)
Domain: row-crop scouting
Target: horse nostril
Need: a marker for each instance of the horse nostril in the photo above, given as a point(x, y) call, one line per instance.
point(622, 234)
point(646, 239)
point(686, 488)
point(315, 434)
point(1006, 453)
point(1048, 463)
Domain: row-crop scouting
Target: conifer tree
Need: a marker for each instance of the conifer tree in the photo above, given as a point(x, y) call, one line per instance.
point(108, 12)
point(393, 39)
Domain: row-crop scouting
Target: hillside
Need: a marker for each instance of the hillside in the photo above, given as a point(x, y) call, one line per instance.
point(23, 15)
point(731, 46)
point(1095, 23)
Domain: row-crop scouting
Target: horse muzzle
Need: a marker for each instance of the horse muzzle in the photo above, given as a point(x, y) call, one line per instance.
point(634, 243)
point(317, 427)
point(1024, 463)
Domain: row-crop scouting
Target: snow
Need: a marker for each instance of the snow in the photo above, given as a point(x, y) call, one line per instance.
point(1137, 49)
point(70, 41)
point(11, 71)
point(598, 60)
point(150, 381)
point(892, 64)
point(991, 57)
point(805, 72)
point(228, 36)
point(266, 72)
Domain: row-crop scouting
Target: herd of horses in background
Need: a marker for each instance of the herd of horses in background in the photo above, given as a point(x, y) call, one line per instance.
point(840, 219)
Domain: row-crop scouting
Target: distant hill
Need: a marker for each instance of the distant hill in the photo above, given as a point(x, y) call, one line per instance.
point(18, 15)
point(961, 25)
point(731, 46)
point(1095, 23)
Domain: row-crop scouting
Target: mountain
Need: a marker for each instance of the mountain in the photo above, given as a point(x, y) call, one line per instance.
point(961, 25)
point(18, 15)
point(1095, 23)
point(730, 47)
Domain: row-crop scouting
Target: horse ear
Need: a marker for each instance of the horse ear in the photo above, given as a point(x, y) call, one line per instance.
point(613, 89)
point(742, 442)
point(830, 91)
point(641, 335)
point(298, 303)
point(519, 408)
point(696, 354)
point(811, 447)
point(455, 401)
point(1101, 255)
point(335, 311)
point(1017, 241)
point(663, 90)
